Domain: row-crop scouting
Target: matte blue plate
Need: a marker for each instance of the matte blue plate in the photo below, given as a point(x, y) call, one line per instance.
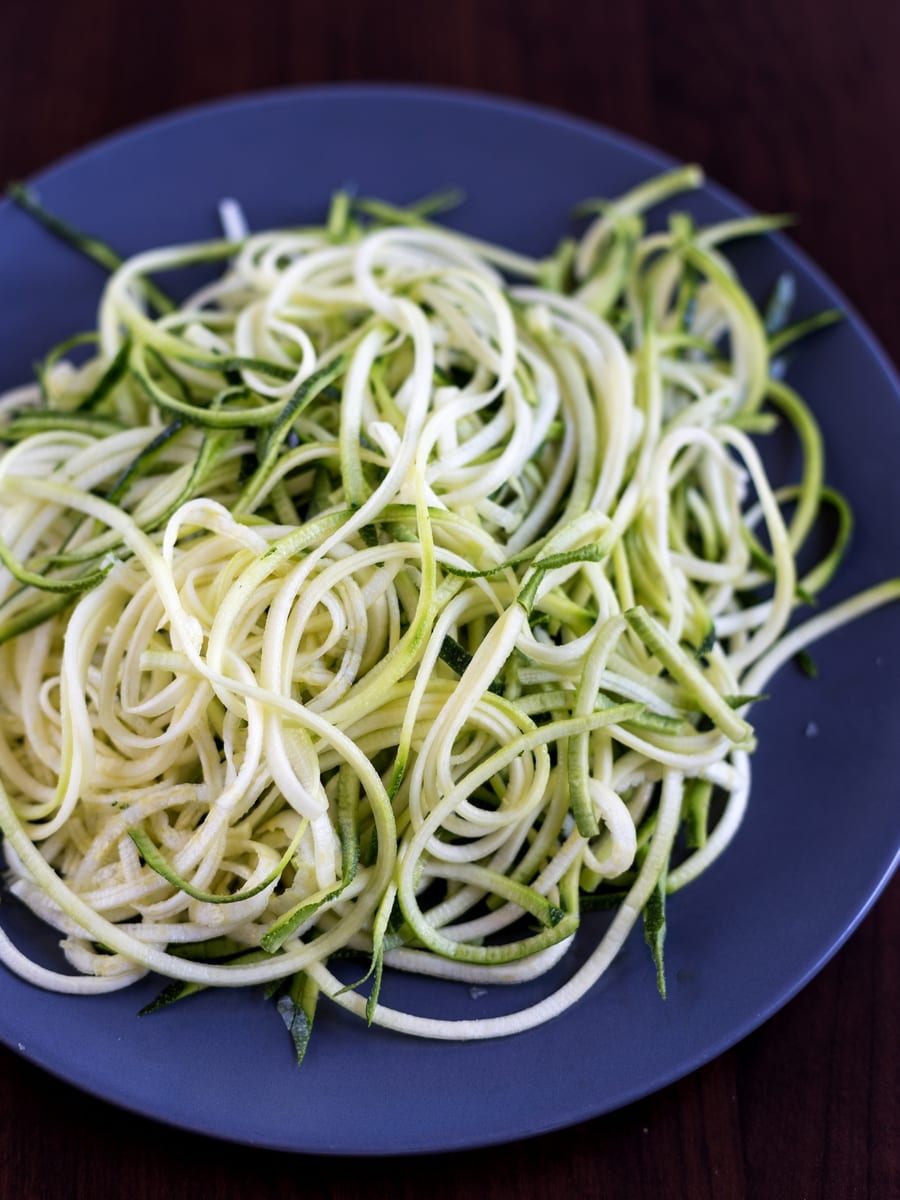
point(821, 836)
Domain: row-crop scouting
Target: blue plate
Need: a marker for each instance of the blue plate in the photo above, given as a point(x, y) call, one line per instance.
point(821, 836)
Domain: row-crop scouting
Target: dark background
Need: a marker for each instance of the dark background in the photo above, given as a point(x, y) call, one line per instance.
point(795, 106)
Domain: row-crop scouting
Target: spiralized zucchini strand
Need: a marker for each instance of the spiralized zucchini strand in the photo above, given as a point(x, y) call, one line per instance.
point(393, 606)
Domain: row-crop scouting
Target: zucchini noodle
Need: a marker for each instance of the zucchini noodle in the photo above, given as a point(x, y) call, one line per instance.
point(394, 596)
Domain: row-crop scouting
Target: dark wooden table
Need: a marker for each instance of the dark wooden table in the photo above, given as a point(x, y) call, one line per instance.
point(794, 105)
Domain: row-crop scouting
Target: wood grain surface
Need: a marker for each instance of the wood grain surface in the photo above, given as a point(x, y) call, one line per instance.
point(795, 106)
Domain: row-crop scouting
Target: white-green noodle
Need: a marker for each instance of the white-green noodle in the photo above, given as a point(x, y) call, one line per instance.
point(394, 595)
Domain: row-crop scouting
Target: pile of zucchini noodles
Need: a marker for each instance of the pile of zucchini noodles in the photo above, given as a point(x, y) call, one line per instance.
point(395, 596)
